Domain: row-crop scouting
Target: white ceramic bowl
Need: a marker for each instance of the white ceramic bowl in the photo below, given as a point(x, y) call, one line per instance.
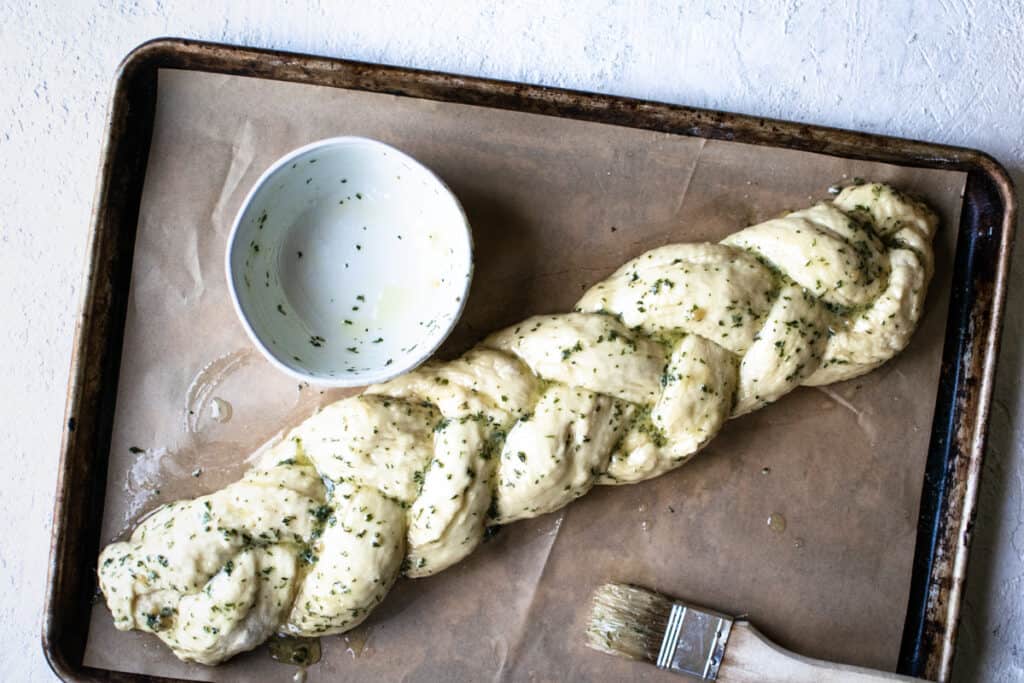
point(349, 262)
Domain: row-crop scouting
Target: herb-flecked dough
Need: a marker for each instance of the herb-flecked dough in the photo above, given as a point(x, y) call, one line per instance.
point(406, 478)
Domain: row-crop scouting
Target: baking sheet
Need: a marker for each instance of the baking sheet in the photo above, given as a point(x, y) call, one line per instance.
point(555, 205)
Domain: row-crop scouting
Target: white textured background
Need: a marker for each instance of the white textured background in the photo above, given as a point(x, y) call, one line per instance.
point(948, 71)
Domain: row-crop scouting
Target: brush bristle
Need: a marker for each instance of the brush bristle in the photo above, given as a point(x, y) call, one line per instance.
point(628, 621)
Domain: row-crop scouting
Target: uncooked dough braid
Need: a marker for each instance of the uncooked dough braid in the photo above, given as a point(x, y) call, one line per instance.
point(406, 476)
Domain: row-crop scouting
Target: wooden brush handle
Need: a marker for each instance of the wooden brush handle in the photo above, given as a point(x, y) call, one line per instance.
point(752, 658)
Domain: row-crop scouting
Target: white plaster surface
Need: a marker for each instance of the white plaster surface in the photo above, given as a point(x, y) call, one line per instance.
point(949, 71)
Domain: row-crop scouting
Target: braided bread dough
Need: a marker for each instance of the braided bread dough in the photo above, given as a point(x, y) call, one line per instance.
point(405, 477)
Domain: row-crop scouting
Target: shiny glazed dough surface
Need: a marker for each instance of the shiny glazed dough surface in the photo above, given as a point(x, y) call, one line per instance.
point(405, 478)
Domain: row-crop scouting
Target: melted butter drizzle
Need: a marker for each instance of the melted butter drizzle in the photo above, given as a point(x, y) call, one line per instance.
point(296, 651)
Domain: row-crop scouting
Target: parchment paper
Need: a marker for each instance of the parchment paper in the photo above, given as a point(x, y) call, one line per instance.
point(555, 205)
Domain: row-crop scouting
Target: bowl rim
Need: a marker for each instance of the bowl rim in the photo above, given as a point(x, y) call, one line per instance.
point(367, 378)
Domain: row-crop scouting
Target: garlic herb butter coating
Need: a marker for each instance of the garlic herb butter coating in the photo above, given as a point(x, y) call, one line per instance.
point(406, 478)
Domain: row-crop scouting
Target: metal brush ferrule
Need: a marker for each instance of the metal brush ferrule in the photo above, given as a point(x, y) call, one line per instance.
point(694, 642)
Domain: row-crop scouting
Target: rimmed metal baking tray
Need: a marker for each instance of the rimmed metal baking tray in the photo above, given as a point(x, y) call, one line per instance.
point(957, 445)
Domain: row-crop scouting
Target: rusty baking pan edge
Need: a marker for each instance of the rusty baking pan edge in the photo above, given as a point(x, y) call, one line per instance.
point(953, 468)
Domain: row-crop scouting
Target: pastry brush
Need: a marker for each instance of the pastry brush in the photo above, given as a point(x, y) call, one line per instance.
point(636, 623)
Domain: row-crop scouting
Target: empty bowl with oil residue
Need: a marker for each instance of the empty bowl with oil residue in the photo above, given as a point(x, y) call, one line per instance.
point(349, 262)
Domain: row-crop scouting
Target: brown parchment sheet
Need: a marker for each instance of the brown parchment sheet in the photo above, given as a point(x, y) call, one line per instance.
point(555, 205)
